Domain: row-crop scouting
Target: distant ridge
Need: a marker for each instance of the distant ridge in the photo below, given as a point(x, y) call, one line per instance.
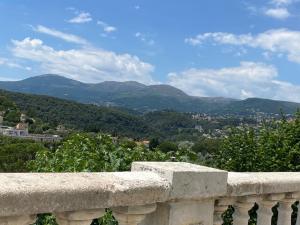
point(140, 97)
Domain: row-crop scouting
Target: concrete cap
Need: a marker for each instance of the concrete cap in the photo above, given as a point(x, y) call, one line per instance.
point(240, 184)
point(188, 181)
point(31, 193)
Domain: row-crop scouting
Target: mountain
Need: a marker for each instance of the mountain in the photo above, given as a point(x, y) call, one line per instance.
point(143, 98)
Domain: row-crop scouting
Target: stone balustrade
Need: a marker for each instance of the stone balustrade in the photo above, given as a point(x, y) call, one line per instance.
point(153, 193)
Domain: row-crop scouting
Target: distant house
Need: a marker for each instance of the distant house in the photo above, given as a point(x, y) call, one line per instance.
point(13, 132)
point(61, 128)
point(22, 126)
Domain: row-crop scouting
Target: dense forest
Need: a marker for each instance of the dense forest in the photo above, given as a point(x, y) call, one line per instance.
point(49, 112)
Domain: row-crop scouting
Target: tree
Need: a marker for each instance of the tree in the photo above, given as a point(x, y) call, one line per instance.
point(154, 142)
point(167, 146)
point(15, 154)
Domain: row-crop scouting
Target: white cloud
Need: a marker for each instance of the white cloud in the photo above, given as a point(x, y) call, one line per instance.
point(58, 34)
point(279, 41)
point(144, 38)
point(137, 7)
point(282, 2)
point(278, 13)
point(106, 28)
point(249, 79)
point(12, 64)
point(83, 17)
point(276, 9)
point(84, 64)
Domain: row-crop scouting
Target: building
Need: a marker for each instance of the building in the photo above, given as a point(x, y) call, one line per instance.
point(13, 132)
point(22, 126)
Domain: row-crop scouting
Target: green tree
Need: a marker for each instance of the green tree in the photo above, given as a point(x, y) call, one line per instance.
point(15, 154)
point(154, 142)
point(274, 147)
point(167, 146)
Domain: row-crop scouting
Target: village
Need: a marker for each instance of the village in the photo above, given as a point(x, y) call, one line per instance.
point(21, 131)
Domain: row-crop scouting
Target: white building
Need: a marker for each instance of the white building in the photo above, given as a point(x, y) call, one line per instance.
point(13, 132)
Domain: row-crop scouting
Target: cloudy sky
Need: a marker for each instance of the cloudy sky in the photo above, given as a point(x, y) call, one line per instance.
point(235, 48)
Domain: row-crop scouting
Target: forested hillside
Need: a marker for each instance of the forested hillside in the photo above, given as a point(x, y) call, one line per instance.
point(81, 117)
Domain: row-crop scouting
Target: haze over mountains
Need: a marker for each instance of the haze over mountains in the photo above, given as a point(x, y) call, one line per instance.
point(137, 96)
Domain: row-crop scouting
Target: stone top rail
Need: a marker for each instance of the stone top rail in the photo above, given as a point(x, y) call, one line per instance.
point(258, 183)
point(33, 193)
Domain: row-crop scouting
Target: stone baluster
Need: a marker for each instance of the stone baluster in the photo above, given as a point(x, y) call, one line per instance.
point(241, 209)
point(84, 217)
point(132, 215)
point(298, 215)
point(221, 205)
point(264, 213)
point(285, 211)
point(18, 220)
point(296, 197)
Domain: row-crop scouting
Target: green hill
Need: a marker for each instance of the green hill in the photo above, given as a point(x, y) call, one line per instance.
point(84, 117)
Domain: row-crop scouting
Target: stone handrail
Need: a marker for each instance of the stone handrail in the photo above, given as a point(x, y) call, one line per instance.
point(153, 193)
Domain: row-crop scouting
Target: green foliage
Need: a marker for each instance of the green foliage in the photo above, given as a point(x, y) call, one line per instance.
point(167, 146)
point(275, 147)
point(154, 142)
point(15, 153)
point(206, 146)
point(83, 152)
point(11, 112)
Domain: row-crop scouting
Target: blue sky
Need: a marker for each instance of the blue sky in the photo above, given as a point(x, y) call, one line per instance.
point(233, 48)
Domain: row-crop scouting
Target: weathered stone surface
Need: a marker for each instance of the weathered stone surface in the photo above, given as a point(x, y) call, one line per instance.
point(188, 181)
point(132, 215)
point(182, 213)
point(31, 193)
point(240, 184)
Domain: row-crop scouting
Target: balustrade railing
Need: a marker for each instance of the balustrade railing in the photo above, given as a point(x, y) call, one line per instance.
point(153, 193)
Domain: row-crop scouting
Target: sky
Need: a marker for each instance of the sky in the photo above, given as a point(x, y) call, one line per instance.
point(228, 48)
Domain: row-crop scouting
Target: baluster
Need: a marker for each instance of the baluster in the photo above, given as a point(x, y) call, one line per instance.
point(241, 209)
point(298, 215)
point(84, 217)
point(264, 213)
point(18, 220)
point(221, 205)
point(285, 211)
point(132, 215)
point(295, 196)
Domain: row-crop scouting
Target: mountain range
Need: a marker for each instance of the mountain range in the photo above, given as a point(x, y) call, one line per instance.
point(143, 98)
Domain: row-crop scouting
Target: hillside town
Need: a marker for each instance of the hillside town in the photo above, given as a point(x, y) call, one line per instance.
point(21, 131)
